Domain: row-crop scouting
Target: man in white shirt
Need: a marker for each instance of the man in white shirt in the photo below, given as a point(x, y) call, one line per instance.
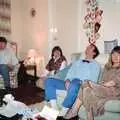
point(8, 61)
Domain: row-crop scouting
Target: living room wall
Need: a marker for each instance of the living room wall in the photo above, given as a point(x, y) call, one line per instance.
point(110, 25)
point(67, 16)
point(30, 32)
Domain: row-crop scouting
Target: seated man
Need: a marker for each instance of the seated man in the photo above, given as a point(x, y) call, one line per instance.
point(80, 71)
point(8, 62)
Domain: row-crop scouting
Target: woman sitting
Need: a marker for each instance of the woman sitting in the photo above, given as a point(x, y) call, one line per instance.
point(93, 96)
point(56, 63)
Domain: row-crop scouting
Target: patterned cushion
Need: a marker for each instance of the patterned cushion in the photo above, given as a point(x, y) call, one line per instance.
point(62, 73)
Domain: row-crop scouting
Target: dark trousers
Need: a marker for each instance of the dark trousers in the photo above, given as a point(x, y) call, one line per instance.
point(23, 76)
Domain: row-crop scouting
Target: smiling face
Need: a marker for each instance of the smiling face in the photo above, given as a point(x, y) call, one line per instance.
point(56, 53)
point(115, 58)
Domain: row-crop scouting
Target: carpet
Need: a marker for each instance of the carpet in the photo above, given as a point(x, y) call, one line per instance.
point(28, 94)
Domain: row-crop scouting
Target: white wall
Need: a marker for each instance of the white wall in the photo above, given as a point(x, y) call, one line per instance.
point(17, 22)
point(110, 28)
point(65, 21)
point(67, 16)
point(35, 30)
point(30, 32)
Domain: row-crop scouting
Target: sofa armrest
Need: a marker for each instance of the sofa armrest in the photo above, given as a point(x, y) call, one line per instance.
point(61, 74)
point(112, 106)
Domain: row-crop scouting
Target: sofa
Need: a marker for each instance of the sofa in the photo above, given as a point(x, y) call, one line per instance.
point(112, 107)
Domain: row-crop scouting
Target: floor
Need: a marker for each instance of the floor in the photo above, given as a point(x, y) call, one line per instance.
point(28, 94)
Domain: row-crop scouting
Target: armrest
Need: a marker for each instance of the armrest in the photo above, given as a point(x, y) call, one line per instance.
point(61, 74)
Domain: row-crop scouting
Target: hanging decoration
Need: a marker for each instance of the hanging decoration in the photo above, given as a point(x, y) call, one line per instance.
point(92, 20)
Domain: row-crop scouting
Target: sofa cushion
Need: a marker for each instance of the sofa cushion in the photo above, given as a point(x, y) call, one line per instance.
point(62, 73)
point(112, 106)
point(102, 59)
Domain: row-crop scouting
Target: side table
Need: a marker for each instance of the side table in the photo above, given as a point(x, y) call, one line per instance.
point(32, 67)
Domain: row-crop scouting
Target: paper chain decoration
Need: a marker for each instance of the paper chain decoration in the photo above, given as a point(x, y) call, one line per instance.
point(92, 20)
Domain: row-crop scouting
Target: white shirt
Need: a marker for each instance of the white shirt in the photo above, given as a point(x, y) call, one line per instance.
point(7, 56)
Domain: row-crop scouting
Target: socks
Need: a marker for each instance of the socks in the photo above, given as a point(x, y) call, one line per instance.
point(54, 104)
point(63, 111)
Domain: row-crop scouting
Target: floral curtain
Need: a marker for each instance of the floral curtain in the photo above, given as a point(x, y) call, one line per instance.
point(5, 19)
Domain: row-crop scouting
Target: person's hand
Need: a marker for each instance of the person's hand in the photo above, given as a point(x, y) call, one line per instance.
point(87, 83)
point(10, 67)
point(38, 117)
point(67, 83)
point(109, 84)
point(42, 78)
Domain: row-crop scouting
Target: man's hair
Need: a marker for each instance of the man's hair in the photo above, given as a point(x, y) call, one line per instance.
point(96, 51)
point(3, 39)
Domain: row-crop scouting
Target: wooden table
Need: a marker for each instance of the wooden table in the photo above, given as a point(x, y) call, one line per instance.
point(32, 67)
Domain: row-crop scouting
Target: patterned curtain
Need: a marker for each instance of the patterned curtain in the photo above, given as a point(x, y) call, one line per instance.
point(5, 19)
point(92, 20)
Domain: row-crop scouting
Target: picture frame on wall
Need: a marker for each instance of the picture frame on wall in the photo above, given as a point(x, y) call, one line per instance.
point(109, 45)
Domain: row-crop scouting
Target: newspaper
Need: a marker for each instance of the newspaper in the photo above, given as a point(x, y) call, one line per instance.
point(49, 113)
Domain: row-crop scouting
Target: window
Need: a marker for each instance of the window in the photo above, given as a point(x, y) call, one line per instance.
point(109, 45)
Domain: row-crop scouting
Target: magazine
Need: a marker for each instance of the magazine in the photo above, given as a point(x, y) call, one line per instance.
point(49, 113)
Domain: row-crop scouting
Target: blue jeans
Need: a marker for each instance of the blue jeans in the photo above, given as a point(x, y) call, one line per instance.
point(5, 74)
point(52, 84)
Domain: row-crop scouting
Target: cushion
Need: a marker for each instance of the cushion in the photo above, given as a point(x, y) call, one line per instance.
point(102, 59)
point(113, 106)
point(13, 80)
point(62, 73)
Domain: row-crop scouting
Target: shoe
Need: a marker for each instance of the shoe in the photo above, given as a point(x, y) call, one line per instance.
point(73, 118)
point(60, 118)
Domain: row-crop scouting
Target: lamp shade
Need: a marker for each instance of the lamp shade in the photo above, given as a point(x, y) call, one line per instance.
point(32, 53)
point(33, 57)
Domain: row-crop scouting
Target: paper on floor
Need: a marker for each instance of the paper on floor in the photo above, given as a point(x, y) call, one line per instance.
point(49, 113)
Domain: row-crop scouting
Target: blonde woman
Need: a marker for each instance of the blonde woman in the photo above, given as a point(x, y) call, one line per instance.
point(94, 96)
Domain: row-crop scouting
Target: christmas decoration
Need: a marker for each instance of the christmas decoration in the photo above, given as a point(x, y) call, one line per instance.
point(92, 20)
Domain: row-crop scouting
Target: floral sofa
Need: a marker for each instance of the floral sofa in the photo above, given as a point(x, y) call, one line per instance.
point(112, 107)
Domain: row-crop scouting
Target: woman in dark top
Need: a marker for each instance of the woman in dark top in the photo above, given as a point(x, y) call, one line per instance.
point(57, 62)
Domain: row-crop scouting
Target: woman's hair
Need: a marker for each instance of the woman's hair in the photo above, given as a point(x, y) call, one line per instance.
point(56, 48)
point(3, 39)
point(109, 64)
